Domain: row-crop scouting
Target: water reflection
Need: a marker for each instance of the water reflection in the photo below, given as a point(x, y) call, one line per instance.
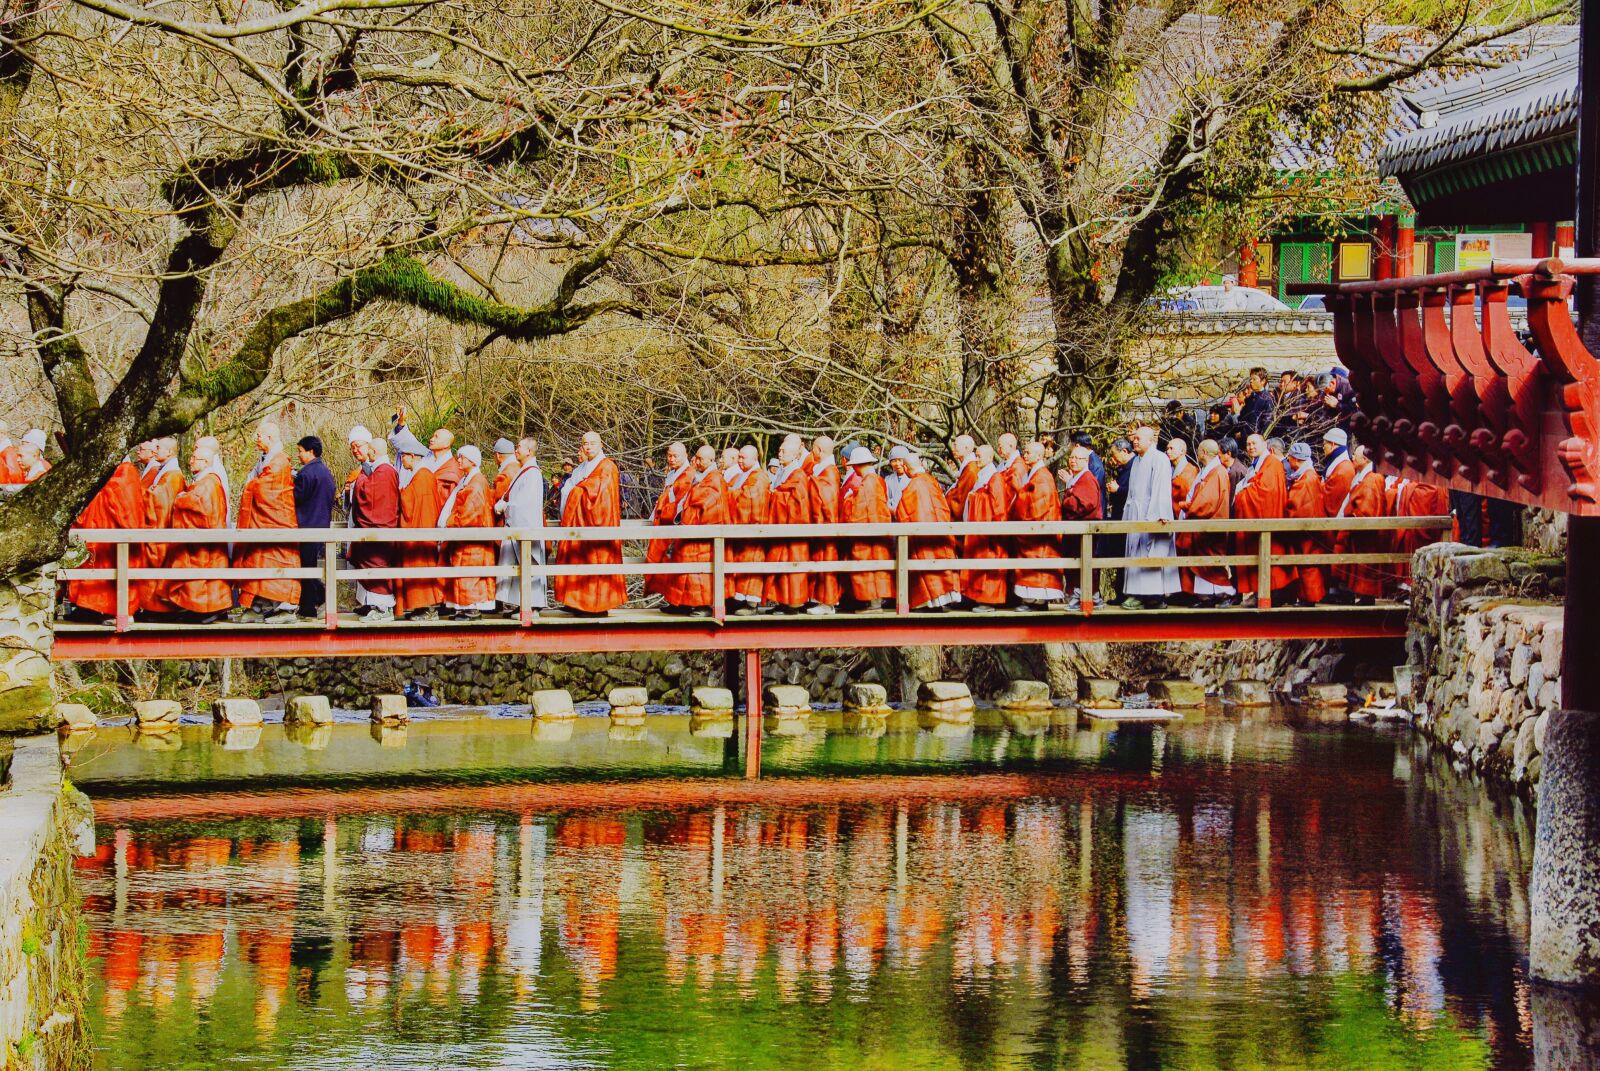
point(1335, 900)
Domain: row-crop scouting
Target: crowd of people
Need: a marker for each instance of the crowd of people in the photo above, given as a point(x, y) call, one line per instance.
point(400, 482)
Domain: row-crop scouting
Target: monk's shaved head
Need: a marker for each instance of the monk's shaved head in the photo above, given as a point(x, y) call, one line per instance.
point(1008, 443)
point(823, 445)
point(985, 454)
point(791, 450)
point(707, 453)
point(1033, 453)
point(441, 439)
point(749, 457)
point(267, 436)
point(166, 448)
point(677, 453)
point(1207, 449)
point(208, 447)
point(962, 446)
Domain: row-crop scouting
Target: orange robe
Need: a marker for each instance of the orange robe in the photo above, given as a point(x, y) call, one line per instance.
point(987, 502)
point(1366, 499)
point(119, 504)
point(824, 486)
point(472, 508)
point(165, 487)
point(1207, 500)
point(966, 480)
point(1037, 500)
point(706, 503)
point(267, 501)
point(420, 506)
point(446, 476)
point(1182, 480)
point(748, 505)
point(593, 502)
point(865, 500)
point(11, 470)
point(1306, 500)
point(923, 502)
point(1414, 500)
point(789, 503)
point(1265, 495)
point(502, 484)
point(204, 505)
point(666, 512)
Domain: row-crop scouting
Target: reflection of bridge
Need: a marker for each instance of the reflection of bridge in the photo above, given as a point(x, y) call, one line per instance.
point(552, 632)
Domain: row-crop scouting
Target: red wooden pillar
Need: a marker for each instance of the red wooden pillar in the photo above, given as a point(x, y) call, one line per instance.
point(1384, 239)
point(1541, 245)
point(1249, 275)
point(1566, 237)
point(1405, 246)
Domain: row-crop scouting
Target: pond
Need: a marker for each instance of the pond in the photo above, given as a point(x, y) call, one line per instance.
point(1235, 891)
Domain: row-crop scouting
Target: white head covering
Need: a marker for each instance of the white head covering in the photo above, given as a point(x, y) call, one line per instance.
point(36, 437)
point(861, 456)
point(899, 453)
point(406, 443)
point(472, 454)
point(1336, 436)
point(504, 446)
point(360, 434)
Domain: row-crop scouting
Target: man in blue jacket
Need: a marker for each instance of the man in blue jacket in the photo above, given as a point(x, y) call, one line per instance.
point(313, 508)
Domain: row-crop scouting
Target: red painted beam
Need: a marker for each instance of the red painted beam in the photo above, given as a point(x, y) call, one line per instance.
point(549, 637)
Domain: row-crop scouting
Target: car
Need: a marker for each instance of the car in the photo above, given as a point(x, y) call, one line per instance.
point(1223, 299)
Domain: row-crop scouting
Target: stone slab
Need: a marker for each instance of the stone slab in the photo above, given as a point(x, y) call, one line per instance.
point(1247, 693)
point(76, 717)
point(1099, 690)
point(628, 697)
point(628, 714)
point(1024, 695)
point(785, 698)
point(1176, 692)
point(866, 696)
point(954, 711)
point(707, 698)
point(1325, 695)
point(390, 708)
point(942, 691)
point(1129, 715)
point(550, 703)
point(157, 713)
point(309, 709)
point(236, 712)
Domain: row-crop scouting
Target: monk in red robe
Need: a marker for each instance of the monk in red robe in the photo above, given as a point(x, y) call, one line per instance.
point(1207, 500)
point(965, 454)
point(420, 505)
point(11, 470)
point(469, 506)
point(989, 500)
point(505, 467)
point(267, 501)
point(591, 497)
point(374, 502)
point(864, 499)
point(1306, 500)
point(203, 505)
point(166, 484)
point(1262, 493)
point(789, 503)
point(706, 503)
point(117, 505)
point(1080, 501)
point(680, 478)
point(1037, 500)
point(747, 504)
point(1364, 583)
point(1184, 472)
point(144, 455)
point(822, 475)
point(1416, 500)
point(923, 502)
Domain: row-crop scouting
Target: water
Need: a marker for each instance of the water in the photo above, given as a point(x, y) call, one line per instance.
point(1230, 893)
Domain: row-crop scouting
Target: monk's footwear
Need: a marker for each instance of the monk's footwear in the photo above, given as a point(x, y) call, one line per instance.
point(1074, 604)
point(376, 617)
point(1363, 600)
point(821, 609)
point(249, 617)
point(745, 610)
point(290, 617)
point(873, 606)
point(1132, 602)
point(982, 608)
point(1226, 602)
point(1155, 604)
point(699, 611)
point(1248, 601)
point(466, 615)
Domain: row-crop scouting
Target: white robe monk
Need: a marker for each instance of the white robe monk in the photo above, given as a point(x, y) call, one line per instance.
point(591, 497)
point(522, 506)
point(1149, 499)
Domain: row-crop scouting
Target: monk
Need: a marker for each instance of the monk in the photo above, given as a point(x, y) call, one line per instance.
point(680, 478)
point(468, 506)
point(374, 502)
point(30, 455)
point(965, 454)
point(145, 455)
point(1184, 472)
point(706, 503)
point(420, 505)
point(864, 499)
point(1207, 500)
point(505, 467)
point(789, 503)
point(166, 484)
point(988, 500)
point(203, 505)
point(1362, 584)
point(923, 502)
point(822, 477)
point(1262, 493)
point(1416, 500)
point(1080, 501)
point(729, 464)
point(1037, 500)
point(117, 505)
point(1306, 501)
point(267, 501)
point(591, 497)
point(11, 470)
point(748, 493)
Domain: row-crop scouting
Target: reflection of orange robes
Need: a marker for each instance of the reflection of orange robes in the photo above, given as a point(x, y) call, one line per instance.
point(668, 503)
point(1037, 500)
point(747, 504)
point(923, 502)
point(595, 502)
point(824, 486)
point(1207, 501)
point(165, 487)
point(119, 504)
point(789, 503)
point(706, 503)
point(1366, 499)
point(472, 509)
point(419, 508)
point(205, 505)
point(984, 504)
point(864, 499)
point(267, 501)
point(1306, 500)
point(1265, 496)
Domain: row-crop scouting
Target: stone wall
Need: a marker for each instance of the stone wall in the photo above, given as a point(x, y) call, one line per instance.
point(1483, 655)
point(43, 824)
point(27, 604)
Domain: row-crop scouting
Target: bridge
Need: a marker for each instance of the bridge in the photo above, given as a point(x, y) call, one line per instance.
point(536, 631)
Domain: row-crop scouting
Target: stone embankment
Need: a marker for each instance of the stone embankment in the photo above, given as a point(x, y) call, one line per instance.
point(27, 603)
point(44, 823)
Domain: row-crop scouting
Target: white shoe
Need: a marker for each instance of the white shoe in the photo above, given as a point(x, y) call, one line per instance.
point(1074, 604)
point(378, 616)
point(820, 610)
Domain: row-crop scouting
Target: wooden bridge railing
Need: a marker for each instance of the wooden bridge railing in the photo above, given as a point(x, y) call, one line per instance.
point(1078, 535)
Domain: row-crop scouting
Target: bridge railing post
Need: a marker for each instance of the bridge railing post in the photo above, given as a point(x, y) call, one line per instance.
point(902, 575)
point(330, 582)
point(719, 606)
point(1264, 571)
point(525, 582)
point(124, 617)
point(1086, 591)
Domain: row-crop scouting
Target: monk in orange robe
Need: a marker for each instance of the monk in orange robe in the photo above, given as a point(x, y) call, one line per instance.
point(680, 478)
point(1364, 583)
point(1207, 500)
point(789, 503)
point(469, 506)
point(965, 453)
point(144, 455)
point(505, 467)
point(1037, 500)
point(822, 476)
point(747, 504)
point(166, 484)
point(1262, 493)
point(989, 500)
point(591, 497)
point(203, 505)
point(30, 456)
point(864, 499)
point(1080, 501)
point(706, 503)
point(1416, 500)
point(1184, 472)
point(11, 470)
point(923, 502)
point(420, 506)
point(119, 504)
point(267, 501)
point(1306, 500)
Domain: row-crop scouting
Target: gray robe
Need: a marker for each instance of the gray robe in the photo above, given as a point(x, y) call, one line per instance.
point(524, 509)
point(1150, 499)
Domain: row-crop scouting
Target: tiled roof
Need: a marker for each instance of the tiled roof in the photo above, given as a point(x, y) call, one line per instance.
point(1270, 322)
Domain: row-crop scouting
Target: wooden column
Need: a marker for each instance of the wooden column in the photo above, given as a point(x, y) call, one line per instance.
point(1405, 247)
point(1566, 237)
point(1543, 244)
point(1249, 273)
point(1384, 240)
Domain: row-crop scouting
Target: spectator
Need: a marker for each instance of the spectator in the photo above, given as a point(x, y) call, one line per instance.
point(1228, 455)
point(1175, 424)
point(1254, 406)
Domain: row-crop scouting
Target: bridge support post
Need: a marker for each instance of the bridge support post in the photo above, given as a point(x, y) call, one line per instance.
point(752, 714)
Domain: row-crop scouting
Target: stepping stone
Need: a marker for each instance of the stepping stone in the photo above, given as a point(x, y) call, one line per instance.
point(785, 700)
point(1325, 695)
point(627, 703)
point(942, 692)
point(310, 709)
point(867, 698)
point(240, 712)
point(553, 703)
point(1025, 695)
point(1247, 694)
point(706, 699)
point(1175, 692)
point(390, 710)
point(76, 718)
point(1099, 693)
point(157, 715)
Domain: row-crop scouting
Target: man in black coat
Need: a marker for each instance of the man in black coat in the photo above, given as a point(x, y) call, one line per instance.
point(314, 495)
point(1115, 490)
point(1255, 407)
